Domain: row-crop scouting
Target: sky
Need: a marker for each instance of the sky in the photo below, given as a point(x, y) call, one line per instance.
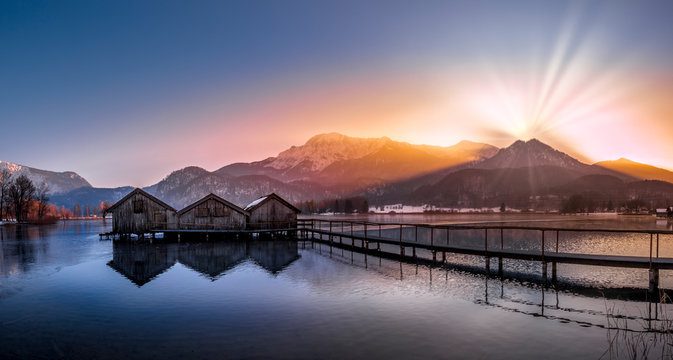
point(124, 92)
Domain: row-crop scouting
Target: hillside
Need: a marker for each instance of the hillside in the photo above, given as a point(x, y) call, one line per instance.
point(637, 170)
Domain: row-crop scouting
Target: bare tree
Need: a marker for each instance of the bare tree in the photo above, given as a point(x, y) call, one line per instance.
point(5, 180)
point(21, 193)
point(102, 207)
point(42, 197)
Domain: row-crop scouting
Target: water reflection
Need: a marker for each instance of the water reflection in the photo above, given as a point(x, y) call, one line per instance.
point(142, 262)
point(633, 319)
point(65, 302)
point(21, 247)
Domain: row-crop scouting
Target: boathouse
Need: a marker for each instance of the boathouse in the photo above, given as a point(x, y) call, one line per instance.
point(271, 212)
point(212, 213)
point(139, 212)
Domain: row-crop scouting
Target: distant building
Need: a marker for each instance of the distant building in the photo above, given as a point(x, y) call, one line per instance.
point(139, 212)
point(271, 212)
point(664, 212)
point(212, 213)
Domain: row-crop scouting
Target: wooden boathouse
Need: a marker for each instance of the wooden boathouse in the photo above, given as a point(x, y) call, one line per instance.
point(139, 212)
point(271, 212)
point(212, 213)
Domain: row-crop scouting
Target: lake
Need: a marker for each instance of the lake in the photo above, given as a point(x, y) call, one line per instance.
point(66, 294)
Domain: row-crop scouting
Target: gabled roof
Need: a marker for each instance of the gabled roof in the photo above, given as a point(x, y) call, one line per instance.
point(142, 192)
point(257, 203)
point(139, 275)
point(212, 196)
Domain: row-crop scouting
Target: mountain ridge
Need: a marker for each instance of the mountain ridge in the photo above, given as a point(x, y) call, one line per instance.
point(388, 171)
point(59, 182)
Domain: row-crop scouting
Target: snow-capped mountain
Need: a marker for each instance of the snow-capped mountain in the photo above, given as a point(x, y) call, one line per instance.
point(323, 150)
point(59, 182)
point(336, 159)
point(183, 187)
point(467, 174)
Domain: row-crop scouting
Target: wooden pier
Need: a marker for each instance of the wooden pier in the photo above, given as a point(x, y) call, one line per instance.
point(402, 241)
point(206, 234)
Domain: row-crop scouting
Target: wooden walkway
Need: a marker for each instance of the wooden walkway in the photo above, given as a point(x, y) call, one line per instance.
point(370, 236)
point(207, 233)
point(565, 258)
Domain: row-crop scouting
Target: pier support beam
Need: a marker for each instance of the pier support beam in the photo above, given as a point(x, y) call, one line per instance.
point(654, 280)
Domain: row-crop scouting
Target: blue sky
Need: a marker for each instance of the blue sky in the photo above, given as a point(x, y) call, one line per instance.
point(124, 92)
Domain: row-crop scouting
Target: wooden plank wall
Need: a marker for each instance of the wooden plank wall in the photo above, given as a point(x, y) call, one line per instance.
point(154, 216)
point(272, 214)
point(217, 216)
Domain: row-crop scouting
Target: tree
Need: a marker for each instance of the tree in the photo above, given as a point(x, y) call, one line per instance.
point(348, 207)
point(21, 193)
point(5, 182)
point(42, 197)
point(102, 207)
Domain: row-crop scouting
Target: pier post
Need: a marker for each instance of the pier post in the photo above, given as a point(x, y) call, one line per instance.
point(365, 242)
point(502, 245)
point(487, 258)
point(657, 245)
point(654, 280)
point(432, 244)
point(651, 250)
point(401, 246)
point(553, 264)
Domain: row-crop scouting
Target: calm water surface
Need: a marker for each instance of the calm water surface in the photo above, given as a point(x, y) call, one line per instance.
point(65, 294)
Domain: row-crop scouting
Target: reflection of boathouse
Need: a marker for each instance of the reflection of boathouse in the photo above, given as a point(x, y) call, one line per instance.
point(212, 258)
point(141, 262)
point(274, 256)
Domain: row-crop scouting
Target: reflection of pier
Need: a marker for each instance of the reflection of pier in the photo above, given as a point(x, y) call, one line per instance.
point(396, 240)
point(141, 262)
point(522, 293)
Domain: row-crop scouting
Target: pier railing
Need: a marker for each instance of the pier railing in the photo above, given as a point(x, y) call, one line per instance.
point(485, 240)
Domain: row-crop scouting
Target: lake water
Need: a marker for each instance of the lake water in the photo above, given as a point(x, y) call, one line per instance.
point(66, 294)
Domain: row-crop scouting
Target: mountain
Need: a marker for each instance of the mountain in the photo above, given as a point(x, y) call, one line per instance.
point(89, 197)
point(183, 187)
point(526, 174)
point(59, 182)
point(637, 170)
point(326, 165)
point(529, 154)
point(351, 163)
